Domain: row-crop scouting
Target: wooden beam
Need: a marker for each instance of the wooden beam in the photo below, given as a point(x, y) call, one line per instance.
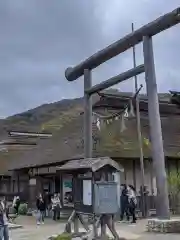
point(160, 24)
point(115, 80)
point(28, 134)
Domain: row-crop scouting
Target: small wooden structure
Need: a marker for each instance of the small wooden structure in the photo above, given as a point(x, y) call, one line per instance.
point(94, 193)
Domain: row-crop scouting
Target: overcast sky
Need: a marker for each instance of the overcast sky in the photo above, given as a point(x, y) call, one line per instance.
point(40, 38)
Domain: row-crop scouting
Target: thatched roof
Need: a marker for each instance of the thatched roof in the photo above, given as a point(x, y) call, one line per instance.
point(125, 143)
point(67, 140)
point(93, 164)
point(108, 101)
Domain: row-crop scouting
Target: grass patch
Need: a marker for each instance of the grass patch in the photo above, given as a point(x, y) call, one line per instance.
point(63, 236)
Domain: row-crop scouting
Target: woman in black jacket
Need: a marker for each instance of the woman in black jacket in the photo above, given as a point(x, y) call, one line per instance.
point(41, 207)
point(124, 202)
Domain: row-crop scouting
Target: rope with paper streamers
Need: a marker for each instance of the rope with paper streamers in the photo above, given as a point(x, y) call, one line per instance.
point(100, 120)
point(127, 112)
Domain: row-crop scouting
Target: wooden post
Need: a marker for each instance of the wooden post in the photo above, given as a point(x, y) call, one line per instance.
point(134, 172)
point(139, 134)
point(87, 115)
point(83, 222)
point(18, 183)
point(76, 224)
point(103, 227)
point(155, 130)
point(95, 231)
point(61, 190)
point(70, 220)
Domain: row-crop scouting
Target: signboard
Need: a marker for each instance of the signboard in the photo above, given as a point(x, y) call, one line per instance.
point(32, 181)
point(106, 199)
point(67, 190)
point(87, 192)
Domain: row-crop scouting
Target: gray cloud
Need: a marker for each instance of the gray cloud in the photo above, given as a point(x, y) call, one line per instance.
point(39, 39)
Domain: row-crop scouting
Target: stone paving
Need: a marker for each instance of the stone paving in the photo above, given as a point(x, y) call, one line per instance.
point(31, 231)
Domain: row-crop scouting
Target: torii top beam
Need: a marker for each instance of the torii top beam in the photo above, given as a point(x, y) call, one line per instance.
point(162, 23)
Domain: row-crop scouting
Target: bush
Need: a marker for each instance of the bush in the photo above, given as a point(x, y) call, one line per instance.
point(174, 190)
point(63, 236)
point(23, 209)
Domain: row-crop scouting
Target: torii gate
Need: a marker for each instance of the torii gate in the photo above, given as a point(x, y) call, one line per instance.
point(144, 34)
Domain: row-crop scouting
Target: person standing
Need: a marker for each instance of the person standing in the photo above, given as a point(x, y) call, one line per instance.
point(4, 229)
point(53, 204)
point(17, 204)
point(14, 201)
point(132, 202)
point(56, 207)
point(41, 207)
point(124, 202)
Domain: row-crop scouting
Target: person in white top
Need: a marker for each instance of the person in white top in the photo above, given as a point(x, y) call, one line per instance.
point(4, 229)
point(56, 206)
point(14, 201)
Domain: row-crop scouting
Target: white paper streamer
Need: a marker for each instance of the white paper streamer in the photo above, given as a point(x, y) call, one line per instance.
point(94, 118)
point(122, 127)
point(131, 110)
point(126, 114)
point(98, 124)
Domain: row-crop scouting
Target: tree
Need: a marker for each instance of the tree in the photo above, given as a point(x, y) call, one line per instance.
point(173, 179)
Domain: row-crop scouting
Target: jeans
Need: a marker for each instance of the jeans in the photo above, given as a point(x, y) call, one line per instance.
point(41, 215)
point(124, 210)
point(56, 213)
point(4, 232)
point(132, 211)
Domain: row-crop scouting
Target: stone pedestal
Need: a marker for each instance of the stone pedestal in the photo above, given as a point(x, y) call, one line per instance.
point(164, 226)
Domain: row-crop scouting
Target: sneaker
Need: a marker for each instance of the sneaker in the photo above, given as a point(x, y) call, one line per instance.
point(133, 222)
point(42, 223)
point(38, 223)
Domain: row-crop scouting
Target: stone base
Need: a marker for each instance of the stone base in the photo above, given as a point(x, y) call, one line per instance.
point(164, 226)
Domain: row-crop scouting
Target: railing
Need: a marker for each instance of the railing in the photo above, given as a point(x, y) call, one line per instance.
point(9, 196)
point(150, 205)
